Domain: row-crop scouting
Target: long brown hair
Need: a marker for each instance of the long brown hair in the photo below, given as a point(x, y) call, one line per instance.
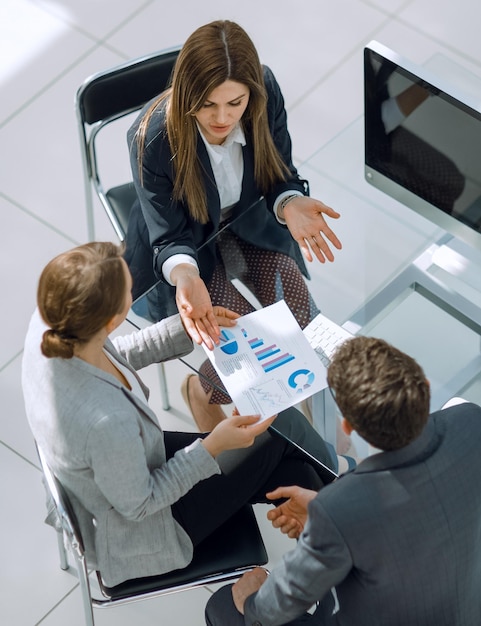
point(213, 54)
point(79, 291)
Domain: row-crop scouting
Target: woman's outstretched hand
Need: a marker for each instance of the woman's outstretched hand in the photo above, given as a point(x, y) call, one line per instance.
point(201, 320)
point(304, 218)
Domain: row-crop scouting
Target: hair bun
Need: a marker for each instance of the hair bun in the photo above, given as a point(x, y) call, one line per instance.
point(57, 344)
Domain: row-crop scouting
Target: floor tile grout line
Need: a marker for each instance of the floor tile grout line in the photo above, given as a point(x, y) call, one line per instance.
point(10, 361)
point(20, 456)
point(456, 51)
point(47, 86)
point(38, 218)
point(390, 18)
point(99, 43)
point(57, 604)
point(334, 68)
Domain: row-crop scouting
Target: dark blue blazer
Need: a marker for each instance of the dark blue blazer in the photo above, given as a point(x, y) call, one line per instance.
point(160, 227)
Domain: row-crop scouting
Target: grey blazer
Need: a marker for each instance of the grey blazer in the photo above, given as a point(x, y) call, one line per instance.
point(399, 538)
point(106, 447)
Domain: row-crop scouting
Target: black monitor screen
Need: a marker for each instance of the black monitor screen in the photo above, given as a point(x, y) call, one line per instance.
point(422, 142)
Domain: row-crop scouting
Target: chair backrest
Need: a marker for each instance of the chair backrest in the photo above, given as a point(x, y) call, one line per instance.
point(108, 96)
point(104, 98)
point(63, 508)
point(70, 537)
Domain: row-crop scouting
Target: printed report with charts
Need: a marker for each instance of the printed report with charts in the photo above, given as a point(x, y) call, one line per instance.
point(266, 363)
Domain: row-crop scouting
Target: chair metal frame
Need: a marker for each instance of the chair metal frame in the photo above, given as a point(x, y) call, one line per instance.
point(102, 99)
point(106, 97)
point(214, 567)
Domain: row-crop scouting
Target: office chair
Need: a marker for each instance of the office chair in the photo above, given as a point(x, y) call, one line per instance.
point(236, 547)
point(106, 97)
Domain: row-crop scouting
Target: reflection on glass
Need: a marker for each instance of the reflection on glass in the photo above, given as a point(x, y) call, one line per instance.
point(423, 139)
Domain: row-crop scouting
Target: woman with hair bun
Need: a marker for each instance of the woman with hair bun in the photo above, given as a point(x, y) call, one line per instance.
point(144, 498)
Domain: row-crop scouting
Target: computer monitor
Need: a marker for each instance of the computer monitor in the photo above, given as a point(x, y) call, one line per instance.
point(423, 142)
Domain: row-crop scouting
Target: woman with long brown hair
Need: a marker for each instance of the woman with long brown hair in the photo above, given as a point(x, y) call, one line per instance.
point(220, 199)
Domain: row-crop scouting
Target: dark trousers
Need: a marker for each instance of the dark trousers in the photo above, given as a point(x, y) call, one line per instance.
point(248, 474)
point(221, 611)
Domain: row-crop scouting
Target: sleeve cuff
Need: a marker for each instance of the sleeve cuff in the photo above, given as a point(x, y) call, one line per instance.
point(279, 200)
point(173, 261)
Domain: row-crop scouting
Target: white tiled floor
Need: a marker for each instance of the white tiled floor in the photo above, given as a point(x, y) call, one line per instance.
point(47, 48)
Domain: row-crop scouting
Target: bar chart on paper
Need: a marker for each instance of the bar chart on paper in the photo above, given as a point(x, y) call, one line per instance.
point(271, 356)
point(266, 363)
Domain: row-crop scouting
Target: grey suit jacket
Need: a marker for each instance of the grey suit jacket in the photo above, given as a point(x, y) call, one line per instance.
point(106, 447)
point(399, 538)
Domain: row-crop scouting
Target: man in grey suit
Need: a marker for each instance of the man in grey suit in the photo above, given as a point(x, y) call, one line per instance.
point(395, 542)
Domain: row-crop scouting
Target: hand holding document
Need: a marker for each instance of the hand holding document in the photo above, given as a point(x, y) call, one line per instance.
point(266, 363)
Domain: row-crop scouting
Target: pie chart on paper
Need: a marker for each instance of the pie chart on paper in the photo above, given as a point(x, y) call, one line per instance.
point(228, 342)
point(301, 380)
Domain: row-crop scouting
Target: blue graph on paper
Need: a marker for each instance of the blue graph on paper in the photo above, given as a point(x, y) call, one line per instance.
point(271, 356)
point(264, 363)
point(228, 342)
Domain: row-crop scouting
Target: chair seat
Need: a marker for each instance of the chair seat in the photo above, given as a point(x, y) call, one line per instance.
point(121, 199)
point(235, 545)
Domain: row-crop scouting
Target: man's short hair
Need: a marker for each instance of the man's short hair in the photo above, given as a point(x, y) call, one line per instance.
point(382, 392)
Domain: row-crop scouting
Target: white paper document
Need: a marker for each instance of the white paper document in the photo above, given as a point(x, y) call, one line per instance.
point(266, 363)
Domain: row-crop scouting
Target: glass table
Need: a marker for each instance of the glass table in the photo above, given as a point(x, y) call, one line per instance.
point(138, 317)
point(399, 277)
point(405, 279)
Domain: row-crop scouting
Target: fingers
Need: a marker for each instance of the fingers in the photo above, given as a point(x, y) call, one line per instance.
point(209, 328)
point(203, 330)
point(248, 427)
point(281, 492)
point(191, 329)
point(329, 211)
point(311, 231)
point(243, 420)
point(293, 533)
point(306, 251)
point(330, 234)
point(287, 526)
point(319, 246)
point(251, 420)
point(225, 321)
point(225, 314)
point(204, 335)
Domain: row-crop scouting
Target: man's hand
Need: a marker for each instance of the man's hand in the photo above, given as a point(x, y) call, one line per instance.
point(304, 218)
point(246, 586)
point(290, 516)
